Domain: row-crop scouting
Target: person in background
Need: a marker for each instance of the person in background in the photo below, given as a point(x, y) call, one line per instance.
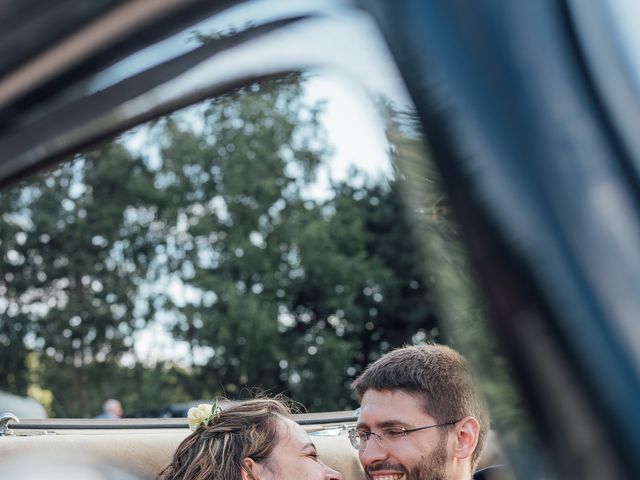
point(112, 408)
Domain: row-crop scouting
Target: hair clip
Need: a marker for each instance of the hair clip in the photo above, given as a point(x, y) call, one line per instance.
point(203, 414)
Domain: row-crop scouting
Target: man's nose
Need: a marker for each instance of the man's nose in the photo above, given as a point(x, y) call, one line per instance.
point(372, 453)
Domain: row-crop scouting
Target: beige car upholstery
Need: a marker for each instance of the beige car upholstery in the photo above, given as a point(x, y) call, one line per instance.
point(146, 452)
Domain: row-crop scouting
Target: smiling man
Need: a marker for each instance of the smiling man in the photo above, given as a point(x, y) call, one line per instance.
point(421, 417)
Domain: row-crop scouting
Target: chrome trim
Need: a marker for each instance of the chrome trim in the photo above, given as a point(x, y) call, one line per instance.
point(322, 420)
point(84, 43)
point(5, 418)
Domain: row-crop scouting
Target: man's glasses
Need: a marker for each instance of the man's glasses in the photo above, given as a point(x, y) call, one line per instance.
point(387, 436)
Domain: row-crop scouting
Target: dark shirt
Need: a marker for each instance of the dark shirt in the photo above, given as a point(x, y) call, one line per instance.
point(495, 472)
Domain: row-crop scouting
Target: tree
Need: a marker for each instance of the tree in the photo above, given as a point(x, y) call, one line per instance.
point(73, 260)
point(210, 229)
point(291, 289)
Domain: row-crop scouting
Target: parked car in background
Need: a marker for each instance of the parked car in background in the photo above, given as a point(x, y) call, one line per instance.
point(22, 407)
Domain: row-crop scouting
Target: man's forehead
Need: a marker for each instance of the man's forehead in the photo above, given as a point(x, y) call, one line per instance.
point(380, 408)
point(397, 395)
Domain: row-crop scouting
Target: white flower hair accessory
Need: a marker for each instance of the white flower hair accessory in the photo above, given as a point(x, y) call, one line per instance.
point(203, 414)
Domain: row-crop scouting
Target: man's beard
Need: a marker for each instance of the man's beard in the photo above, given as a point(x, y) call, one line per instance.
point(434, 466)
point(431, 467)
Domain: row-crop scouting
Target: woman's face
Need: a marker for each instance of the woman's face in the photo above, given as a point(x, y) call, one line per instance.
point(295, 457)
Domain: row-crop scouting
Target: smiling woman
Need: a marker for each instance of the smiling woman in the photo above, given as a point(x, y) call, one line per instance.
point(249, 440)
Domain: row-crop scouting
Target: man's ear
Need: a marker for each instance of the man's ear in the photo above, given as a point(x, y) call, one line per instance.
point(467, 432)
point(250, 469)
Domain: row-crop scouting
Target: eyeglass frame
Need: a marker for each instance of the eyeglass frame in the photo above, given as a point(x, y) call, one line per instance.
point(353, 434)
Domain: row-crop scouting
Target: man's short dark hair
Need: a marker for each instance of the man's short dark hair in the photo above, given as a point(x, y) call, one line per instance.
point(438, 376)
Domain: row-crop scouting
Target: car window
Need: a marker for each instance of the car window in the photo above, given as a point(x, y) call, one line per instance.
point(240, 242)
point(276, 235)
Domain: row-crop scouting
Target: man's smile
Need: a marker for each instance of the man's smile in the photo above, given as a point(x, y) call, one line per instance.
point(386, 475)
point(386, 471)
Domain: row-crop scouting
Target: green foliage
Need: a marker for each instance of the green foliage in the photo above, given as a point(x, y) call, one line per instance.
point(293, 291)
point(210, 232)
point(71, 262)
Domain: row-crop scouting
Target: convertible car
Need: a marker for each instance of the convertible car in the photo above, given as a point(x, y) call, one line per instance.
point(207, 199)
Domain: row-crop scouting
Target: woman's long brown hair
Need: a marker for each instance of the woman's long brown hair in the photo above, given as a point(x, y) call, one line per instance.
point(217, 451)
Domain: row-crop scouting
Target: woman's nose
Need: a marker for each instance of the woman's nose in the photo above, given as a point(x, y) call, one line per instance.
point(331, 474)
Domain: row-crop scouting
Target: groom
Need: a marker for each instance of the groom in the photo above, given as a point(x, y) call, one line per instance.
point(421, 417)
